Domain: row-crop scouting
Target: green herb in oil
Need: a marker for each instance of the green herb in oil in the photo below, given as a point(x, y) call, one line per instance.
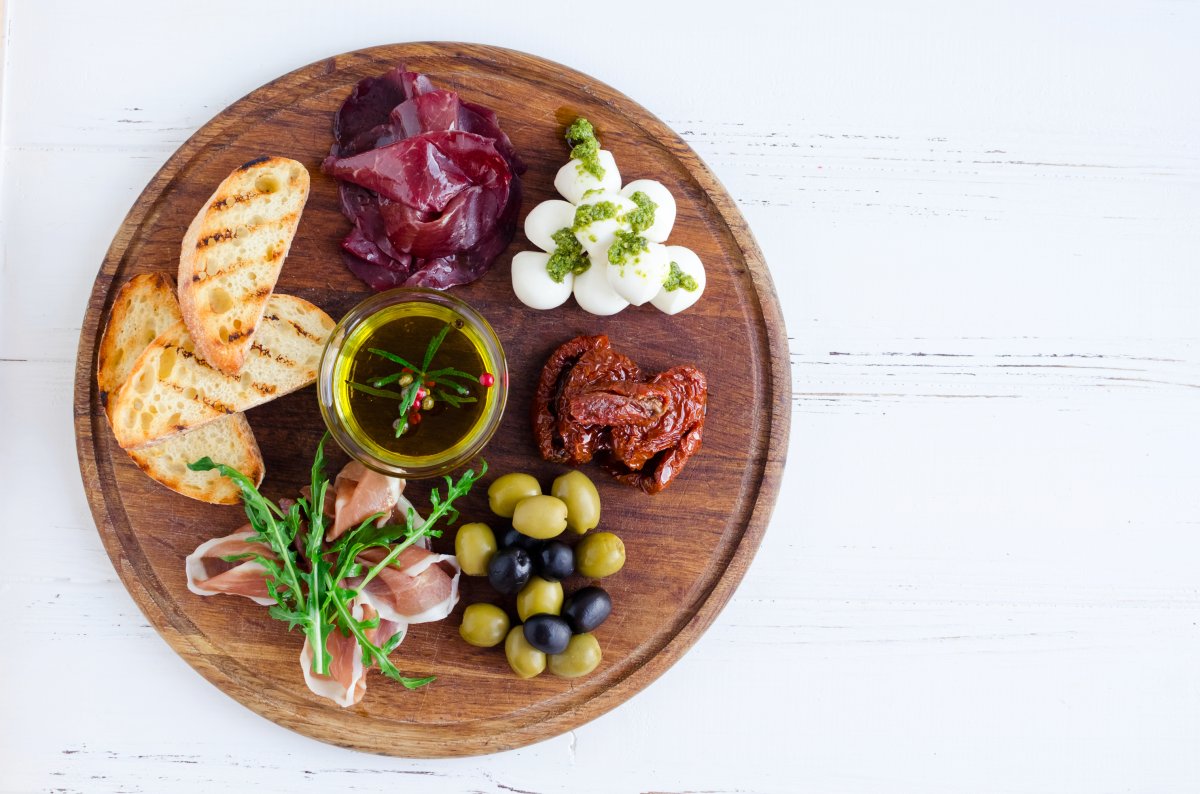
point(420, 385)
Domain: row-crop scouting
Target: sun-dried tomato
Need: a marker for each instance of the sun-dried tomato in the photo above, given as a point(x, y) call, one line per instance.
point(634, 445)
point(598, 366)
point(591, 399)
point(619, 403)
point(545, 398)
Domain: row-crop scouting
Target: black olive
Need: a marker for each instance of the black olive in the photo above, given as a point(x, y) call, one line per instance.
point(547, 633)
point(510, 537)
point(555, 561)
point(586, 609)
point(509, 570)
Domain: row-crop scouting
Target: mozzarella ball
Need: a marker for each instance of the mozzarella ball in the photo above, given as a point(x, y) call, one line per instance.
point(533, 285)
point(640, 277)
point(597, 236)
point(547, 218)
point(594, 294)
point(572, 181)
point(664, 213)
point(676, 300)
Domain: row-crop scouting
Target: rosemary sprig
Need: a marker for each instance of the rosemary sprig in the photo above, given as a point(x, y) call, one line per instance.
point(418, 384)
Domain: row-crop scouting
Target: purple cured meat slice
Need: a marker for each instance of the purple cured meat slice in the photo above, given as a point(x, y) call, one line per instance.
point(415, 172)
point(434, 111)
point(429, 181)
point(426, 172)
point(483, 121)
point(467, 220)
point(368, 106)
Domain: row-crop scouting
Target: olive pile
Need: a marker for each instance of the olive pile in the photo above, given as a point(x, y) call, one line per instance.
point(527, 561)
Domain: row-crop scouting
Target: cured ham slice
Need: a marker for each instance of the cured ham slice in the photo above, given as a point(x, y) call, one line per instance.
point(359, 493)
point(208, 573)
point(419, 587)
point(346, 682)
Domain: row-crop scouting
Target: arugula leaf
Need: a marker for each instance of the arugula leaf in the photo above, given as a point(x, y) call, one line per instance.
point(306, 583)
point(413, 533)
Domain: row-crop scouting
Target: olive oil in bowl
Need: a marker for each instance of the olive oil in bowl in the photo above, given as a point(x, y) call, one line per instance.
point(413, 383)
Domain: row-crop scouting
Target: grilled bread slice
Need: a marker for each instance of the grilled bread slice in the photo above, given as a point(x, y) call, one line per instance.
point(232, 254)
point(173, 388)
point(143, 309)
point(228, 440)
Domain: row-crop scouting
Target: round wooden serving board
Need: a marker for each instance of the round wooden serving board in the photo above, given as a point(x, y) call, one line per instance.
point(687, 547)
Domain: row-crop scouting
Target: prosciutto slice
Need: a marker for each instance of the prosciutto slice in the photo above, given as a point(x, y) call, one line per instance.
point(209, 574)
point(418, 587)
point(346, 682)
point(359, 493)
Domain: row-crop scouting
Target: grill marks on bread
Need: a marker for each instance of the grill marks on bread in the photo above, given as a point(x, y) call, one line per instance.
point(174, 388)
point(232, 254)
point(144, 308)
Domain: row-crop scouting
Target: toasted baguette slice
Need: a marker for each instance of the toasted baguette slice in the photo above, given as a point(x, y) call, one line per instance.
point(228, 440)
point(232, 254)
point(143, 309)
point(173, 389)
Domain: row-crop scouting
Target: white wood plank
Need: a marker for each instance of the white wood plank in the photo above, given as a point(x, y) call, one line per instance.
point(982, 573)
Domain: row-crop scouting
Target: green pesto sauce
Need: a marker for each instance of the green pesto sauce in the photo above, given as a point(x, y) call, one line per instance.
point(642, 218)
point(679, 280)
point(568, 256)
point(585, 147)
point(627, 245)
point(587, 214)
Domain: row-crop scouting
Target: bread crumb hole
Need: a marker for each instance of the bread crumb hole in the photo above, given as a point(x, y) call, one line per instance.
point(166, 363)
point(145, 381)
point(266, 183)
point(220, 301)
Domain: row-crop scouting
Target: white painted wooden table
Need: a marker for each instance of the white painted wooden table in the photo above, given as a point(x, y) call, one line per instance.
point(984, 222)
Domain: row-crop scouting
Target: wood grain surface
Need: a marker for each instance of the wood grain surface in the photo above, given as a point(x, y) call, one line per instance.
point(687, 547)
point(981, 572)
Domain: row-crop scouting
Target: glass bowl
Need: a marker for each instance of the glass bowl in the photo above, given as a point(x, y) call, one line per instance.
point(345, 351)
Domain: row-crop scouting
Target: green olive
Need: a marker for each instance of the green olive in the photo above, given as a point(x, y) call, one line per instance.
point(540, 517)
point(582, 500)
point(539, 597)
point(474, 546)
point(599, 555)
point(581, 657)
point(506, 491)
point(484, 625)
point(524, 659)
